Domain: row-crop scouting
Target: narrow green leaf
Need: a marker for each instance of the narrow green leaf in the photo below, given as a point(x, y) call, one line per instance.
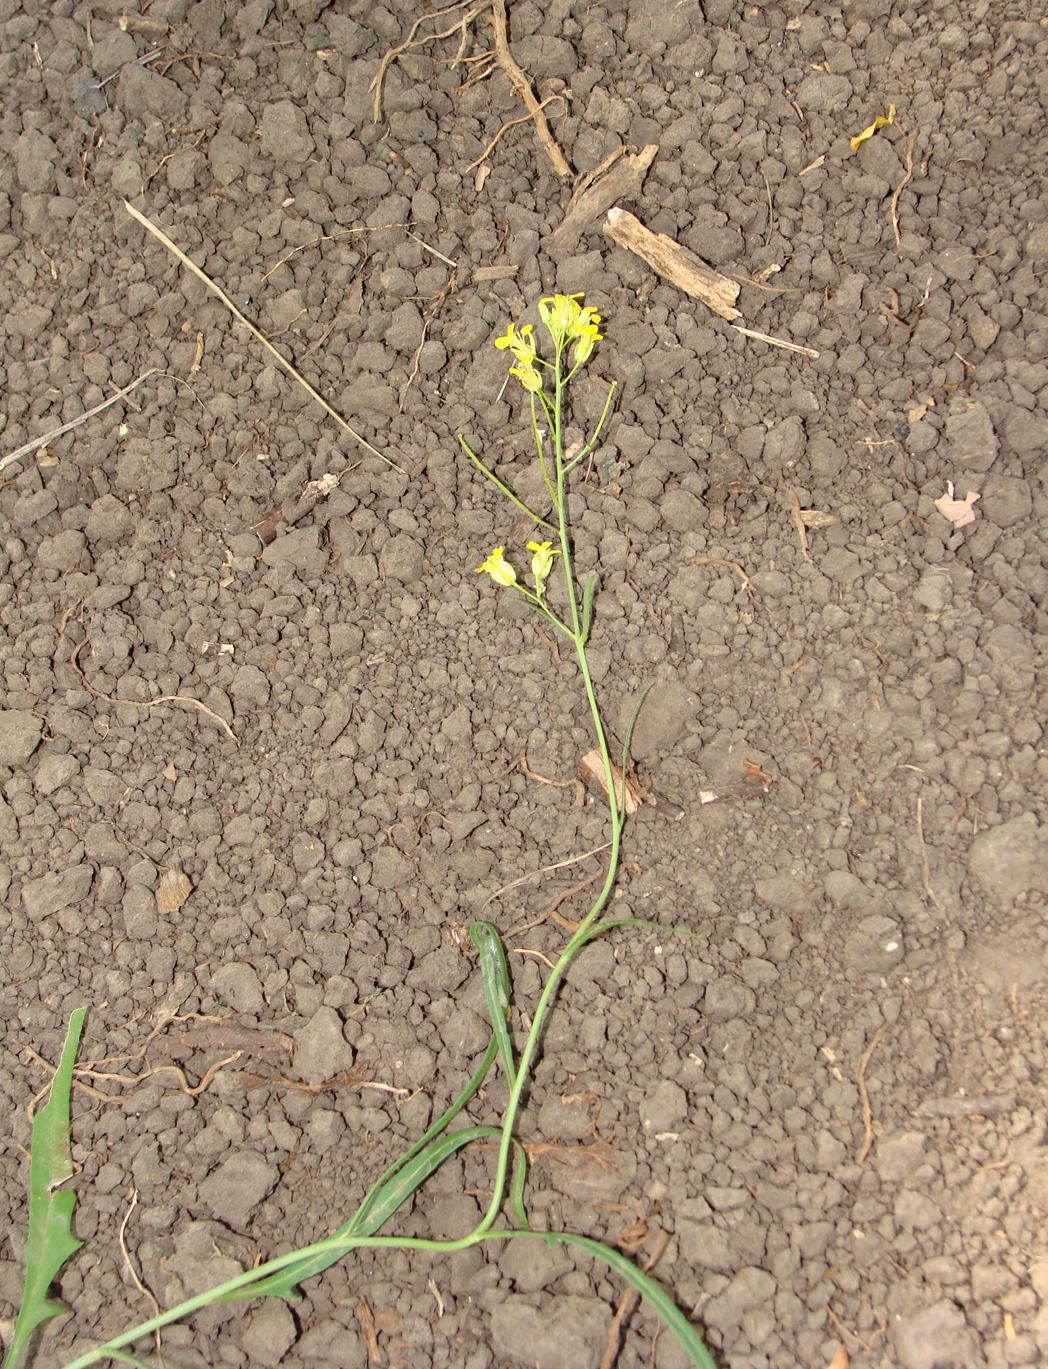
point(628, 740)
point(49, 1241)
point(588, 590)
point(517, 1183)
point(495, 976)
point(503, 487)
point(385, 1202)
point(652, 1292)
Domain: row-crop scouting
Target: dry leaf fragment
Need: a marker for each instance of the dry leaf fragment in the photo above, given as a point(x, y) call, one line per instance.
point(882, 121)
point(815, 518)
point(918, 411)
point(591, 773)
point(841, 1359)
point(172, 891)
point(959, 512)
point(169, 772)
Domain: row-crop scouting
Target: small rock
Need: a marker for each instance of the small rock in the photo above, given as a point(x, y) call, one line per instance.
point(55, 891)
point(570, 1335)
point(1007, 860)
point(533, 1264)
point(239, 987)
point(824, 92)
point(971, 440)
point(785, 442)
point(64, 551)
point(389, 868)
point(141, 91)
point(141, 921)
point(297, 550)
point(401, 559)
point(250, 686)
point(936, 1338)
point(53, 771)
point(108, 519)
point(705, 1246)
point(1006, 500)
point(664, 1107)
point(321, 1049)
point(233, 1190)
point(20, 733)
point(750, 1288)
point(783, 893)
point(285, 134)
point(934, 589)
point(845, 891)
point(269, 1334)
point(875, 946)
point(897, 1157)
point(727, 1000)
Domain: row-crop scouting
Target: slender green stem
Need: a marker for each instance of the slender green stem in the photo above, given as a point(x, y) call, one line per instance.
point(538, 444)
point(581, 456)
point(580, 937)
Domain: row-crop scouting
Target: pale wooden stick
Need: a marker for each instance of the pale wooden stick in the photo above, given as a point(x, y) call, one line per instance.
point(776, 341)
point(281, 360)
point(679, 265)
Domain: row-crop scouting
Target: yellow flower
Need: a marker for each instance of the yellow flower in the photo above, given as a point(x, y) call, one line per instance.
point(568, 321)
point(588, 337)
point(528, 375)
point(499, 568)
point(519, 341)
point(560, 314)
point(541, 562)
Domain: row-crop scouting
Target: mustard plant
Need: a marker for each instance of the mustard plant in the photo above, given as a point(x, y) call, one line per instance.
point(573, 333)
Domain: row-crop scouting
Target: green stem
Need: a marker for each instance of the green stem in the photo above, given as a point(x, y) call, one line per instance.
point(578, 940)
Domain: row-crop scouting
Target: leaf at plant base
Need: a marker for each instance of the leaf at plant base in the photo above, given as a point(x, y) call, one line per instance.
point(50, 1241)
point(592, 775)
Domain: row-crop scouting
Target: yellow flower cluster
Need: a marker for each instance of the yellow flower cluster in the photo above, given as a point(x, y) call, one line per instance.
point(504, 575)
point(567, 321)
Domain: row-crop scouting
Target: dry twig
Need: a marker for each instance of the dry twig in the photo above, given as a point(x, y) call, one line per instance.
point(729, 565)
point(412, 42)
point(926, 874)
point(149, 703)
point(797, 520)
point(864, 1094)
point(598, 191)
point(907, 178)
point(776, 341)
point(511, 123)
point(146, 1293)
point(626, 1305)
point(42, 441)
point(259, 336)
point(522, 86)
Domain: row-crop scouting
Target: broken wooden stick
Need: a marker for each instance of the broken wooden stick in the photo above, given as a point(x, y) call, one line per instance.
point(679, 265)
point(619, 177)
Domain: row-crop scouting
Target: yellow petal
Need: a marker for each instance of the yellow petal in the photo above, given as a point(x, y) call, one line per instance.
point(882, 121)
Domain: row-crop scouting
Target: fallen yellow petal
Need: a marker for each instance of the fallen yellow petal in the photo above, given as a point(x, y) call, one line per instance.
point(881, 121)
